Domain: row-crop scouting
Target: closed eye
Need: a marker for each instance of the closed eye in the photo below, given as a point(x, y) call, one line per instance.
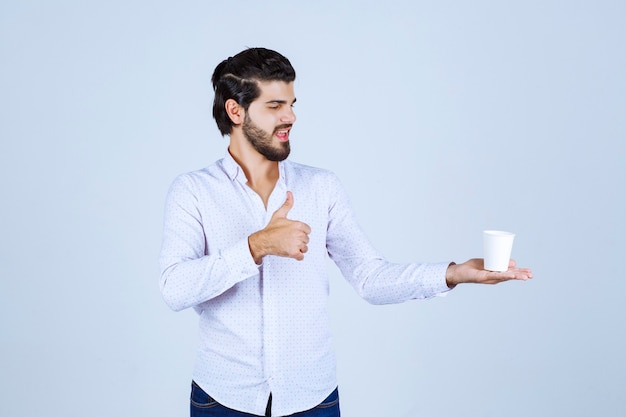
point(276, 104)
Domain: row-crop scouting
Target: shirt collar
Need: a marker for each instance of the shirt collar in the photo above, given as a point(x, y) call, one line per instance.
point(235, 172)
point(231, 167)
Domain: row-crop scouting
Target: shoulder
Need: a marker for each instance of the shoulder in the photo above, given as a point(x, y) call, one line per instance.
point(301, 172)
point(321, 184)
point(192, 181)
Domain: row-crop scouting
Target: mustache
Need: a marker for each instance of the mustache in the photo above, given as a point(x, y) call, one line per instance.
point(285, 126)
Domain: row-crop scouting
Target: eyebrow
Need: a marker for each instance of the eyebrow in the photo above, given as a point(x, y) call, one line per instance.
point(279, 102)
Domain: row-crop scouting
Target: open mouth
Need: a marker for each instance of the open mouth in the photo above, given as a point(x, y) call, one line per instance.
point(282, 133)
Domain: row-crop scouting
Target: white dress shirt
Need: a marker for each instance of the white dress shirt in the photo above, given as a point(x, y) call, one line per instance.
point(266, 328)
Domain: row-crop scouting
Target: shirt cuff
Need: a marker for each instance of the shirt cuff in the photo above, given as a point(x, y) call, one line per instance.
point(240, 261)
point(436, 279)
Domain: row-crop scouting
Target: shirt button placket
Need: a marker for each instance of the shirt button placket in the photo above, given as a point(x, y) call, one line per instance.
point(269, 317)
point(270, 307)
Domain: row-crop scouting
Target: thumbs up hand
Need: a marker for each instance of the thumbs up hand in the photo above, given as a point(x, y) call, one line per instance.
point(282, 212)
point(281, 236)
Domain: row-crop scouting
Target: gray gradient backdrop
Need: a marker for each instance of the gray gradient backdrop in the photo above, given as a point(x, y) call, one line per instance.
point(443, 118)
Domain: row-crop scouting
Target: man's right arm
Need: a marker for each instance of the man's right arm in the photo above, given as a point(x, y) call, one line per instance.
point(190, 276)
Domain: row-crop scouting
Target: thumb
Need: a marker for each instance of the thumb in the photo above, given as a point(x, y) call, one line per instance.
point(284, 209)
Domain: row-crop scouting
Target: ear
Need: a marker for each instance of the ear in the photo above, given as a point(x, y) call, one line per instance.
point(234, 111)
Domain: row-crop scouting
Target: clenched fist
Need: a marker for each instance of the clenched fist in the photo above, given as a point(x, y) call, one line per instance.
point(281, 236)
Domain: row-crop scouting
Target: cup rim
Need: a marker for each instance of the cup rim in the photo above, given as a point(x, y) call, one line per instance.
point(498, 233)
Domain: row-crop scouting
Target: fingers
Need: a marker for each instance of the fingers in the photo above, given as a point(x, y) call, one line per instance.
point(298, 252)
point(284, 209)
point(302, 247)
point(288, 238)
point(473, 271)
point(304, 228)
point(521, 274)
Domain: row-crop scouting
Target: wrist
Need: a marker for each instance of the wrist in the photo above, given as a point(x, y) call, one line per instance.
point(451, 275)
point(256, 248)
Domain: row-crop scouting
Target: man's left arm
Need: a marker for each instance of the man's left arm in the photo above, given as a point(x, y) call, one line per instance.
point(381, 282)
point(375, 279)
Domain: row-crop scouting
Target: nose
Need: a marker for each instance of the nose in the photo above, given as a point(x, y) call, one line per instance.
point(288, 116)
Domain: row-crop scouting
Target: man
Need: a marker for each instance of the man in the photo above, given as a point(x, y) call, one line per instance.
point(245, 242)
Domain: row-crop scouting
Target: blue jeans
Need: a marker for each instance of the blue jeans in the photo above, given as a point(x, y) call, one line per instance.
point(203, 405)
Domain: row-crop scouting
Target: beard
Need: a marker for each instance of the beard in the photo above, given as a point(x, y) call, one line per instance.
point(262, 141)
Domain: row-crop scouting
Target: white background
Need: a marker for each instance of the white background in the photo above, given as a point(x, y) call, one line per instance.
point(443, 118)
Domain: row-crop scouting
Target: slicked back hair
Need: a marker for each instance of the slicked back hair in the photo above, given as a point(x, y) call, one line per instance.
point(237, 77)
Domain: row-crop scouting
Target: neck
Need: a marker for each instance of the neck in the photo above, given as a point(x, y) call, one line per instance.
point(260, 172)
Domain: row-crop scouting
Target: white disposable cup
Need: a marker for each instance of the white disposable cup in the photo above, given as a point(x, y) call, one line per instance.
point(497, 246)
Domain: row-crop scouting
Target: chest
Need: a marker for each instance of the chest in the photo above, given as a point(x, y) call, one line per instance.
point(237, 211)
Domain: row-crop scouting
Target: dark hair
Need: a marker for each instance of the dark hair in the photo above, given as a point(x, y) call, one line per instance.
point(237, 77)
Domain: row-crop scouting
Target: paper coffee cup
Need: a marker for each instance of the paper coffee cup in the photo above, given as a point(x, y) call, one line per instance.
point(497, 246)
